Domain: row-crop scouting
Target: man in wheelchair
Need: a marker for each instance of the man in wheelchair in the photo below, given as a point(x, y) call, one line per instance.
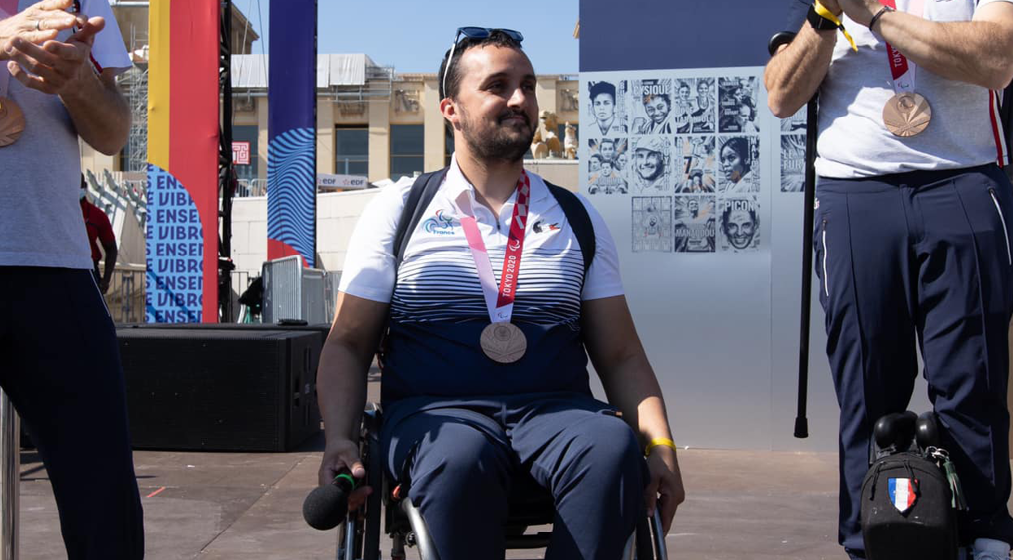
point(484, 374)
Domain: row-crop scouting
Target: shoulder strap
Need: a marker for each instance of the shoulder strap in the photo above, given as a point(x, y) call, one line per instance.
point(428, 184)
point(421, 195)
point(580, 221)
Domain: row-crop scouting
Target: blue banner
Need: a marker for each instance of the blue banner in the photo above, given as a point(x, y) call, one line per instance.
point(291, 151)
point(668, 35)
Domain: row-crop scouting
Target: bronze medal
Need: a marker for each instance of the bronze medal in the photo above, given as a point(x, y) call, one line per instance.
point(12, 122)
point(907, 114)
point(504, 342)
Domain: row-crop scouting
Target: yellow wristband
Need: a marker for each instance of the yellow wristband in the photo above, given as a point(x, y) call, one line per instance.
point(827, 14)
point(656, 442)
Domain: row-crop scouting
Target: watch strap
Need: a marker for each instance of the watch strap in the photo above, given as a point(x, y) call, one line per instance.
point(818, 22)
point(879, 14)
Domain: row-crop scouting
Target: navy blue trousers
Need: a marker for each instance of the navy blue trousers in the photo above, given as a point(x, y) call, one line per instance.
point(462, 461)
point(61, 369)
point(921, 260)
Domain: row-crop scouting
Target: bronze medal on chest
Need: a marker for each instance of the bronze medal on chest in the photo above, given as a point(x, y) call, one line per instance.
point(907, 114)
point(12, 122)
point(504, 342)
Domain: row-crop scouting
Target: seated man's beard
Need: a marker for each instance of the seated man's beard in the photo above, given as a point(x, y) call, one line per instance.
point(499, 144)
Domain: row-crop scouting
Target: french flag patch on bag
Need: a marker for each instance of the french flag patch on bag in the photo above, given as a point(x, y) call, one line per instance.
point(902, 493)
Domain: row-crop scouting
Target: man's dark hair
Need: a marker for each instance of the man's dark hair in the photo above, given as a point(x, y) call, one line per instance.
point(598, 88)
point(648, 97)
point(740, 146)
point(453, 82)
point(727, 215)
point(748, 103)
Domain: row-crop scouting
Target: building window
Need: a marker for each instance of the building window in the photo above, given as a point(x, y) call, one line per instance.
point(407, 150)
point(351, 147)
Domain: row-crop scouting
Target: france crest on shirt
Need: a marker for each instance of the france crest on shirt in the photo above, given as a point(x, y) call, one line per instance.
point(902, 493)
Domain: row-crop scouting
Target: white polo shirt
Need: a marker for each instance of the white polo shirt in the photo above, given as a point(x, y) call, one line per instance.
point(438, 246)
point(965, 131)
point(438, 310)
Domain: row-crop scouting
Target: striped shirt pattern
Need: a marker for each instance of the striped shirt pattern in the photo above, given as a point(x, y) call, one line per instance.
point(442, 285)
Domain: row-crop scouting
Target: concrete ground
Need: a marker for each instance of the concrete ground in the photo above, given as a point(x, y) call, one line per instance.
point(741, 504)
point(224, 506)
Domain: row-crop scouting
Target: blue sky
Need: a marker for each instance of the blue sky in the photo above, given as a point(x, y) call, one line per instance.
point(412, 35)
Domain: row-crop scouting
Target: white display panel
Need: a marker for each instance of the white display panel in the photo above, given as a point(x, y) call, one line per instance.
point(700, 186)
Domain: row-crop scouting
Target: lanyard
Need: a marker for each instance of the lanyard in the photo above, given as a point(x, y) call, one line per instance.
point(902, 70)
point(500, 301)
point(8, 8)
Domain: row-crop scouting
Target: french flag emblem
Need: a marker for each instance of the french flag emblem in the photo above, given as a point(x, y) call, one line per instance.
point(902, 493)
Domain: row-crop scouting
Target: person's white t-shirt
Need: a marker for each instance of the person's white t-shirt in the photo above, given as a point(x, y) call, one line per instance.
point(854, 142)
point(40, 174)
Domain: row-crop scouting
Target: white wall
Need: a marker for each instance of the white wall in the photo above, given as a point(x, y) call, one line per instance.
point(337, 214)
point(721, 329)
point(562, 172)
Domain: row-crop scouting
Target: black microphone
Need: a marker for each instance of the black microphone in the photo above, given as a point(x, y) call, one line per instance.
point(325, 507)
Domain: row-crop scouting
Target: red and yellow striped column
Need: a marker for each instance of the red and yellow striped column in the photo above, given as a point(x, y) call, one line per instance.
point(183, 127)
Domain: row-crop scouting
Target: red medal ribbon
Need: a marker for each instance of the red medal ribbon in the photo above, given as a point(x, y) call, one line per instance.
point(501, 309)
point(903, 73)
point(515, 244)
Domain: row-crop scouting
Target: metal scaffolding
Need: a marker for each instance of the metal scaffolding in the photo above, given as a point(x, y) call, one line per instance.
point(134, 83)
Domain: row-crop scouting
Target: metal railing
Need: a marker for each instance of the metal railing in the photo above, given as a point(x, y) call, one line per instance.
point(246, 188)
point(125, 297)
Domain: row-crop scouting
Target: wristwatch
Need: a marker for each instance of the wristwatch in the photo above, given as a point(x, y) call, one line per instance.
point(879, 14)
point(818, 22)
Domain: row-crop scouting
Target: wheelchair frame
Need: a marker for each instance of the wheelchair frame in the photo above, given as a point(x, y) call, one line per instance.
point(359, 536)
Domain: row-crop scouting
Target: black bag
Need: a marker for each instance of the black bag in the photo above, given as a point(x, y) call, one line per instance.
point(908, 506)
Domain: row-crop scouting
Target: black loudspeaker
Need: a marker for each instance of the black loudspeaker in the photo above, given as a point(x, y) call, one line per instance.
point(223, 388)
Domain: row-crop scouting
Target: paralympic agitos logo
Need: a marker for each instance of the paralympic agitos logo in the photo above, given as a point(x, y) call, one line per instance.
point(439, 224)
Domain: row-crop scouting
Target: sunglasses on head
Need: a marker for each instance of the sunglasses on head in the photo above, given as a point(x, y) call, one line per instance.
point(475, 33)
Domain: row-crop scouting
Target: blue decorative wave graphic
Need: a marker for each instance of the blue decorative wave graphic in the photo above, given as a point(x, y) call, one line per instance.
point(291, 190)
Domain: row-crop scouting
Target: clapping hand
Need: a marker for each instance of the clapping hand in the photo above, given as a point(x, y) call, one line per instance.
point(37, 24)
point(55, 67)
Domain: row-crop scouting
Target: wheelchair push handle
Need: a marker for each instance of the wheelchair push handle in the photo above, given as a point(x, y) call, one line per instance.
point(895, 431)
point(325, 507)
